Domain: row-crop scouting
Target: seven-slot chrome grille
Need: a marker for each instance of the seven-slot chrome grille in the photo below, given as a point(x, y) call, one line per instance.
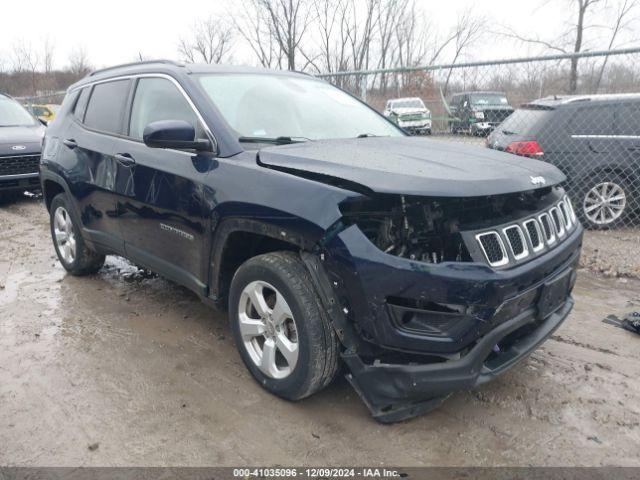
point(521, 240)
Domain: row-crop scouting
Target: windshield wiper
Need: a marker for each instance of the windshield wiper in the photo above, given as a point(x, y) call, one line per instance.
point(367, 135)
point(276, 141)
point(508, 132)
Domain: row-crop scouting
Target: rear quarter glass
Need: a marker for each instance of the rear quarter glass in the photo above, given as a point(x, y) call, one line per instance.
point(527, 121)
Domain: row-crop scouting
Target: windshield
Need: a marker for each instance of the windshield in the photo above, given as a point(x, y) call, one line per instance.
point(411, 103)
point(277, 106)
point(12, 114)
point(489, 99)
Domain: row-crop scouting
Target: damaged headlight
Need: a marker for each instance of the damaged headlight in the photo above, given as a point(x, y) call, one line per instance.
point(408, 227)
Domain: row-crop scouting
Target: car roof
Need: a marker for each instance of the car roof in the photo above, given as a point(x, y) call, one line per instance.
point(176, 68)
point(561, 100)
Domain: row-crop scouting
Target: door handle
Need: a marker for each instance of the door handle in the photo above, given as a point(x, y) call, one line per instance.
point(125, 159)
point(70, 142)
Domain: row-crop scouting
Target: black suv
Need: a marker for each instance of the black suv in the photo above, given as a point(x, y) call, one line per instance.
point(329, 234)
point(478, 113)
point(20, 143)
point(594, 140)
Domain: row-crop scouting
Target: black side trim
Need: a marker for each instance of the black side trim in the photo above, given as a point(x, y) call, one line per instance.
point(166, 269)
point(104, 242)
point(232, 225)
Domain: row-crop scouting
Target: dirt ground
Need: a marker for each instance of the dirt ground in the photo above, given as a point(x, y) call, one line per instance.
point(124, 368)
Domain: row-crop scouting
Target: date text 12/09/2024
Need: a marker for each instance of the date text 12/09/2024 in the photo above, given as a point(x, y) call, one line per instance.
point(316, 472)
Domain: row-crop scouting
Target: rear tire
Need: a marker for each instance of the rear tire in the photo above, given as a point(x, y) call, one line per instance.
point(73, 253)
point(605, 202)
point(282, 332)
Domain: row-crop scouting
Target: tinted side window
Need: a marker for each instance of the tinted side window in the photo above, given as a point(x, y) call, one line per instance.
point(158, 99)
point(106, 106)
point(594, 120)
point(81, 104)
point(628, 119)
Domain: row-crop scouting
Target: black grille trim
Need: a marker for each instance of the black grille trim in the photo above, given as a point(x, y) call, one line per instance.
point(534, 232)
point(19, 164)
point(493, 248)
point(547, 227)
point(517, 242)
point(558, 224)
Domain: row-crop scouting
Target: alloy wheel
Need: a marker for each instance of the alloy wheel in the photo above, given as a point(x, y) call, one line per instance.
point(64, 235)
point(604, 203)
point(268, 329)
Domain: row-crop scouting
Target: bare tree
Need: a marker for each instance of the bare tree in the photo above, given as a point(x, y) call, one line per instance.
point(211, 42)
point(413, 39)
point(623, 20)
point(571, 40)
point(468, 30)
point(327, 13)
point(257, 31)
point(26, 59)
point(48, 50)
point(287, 22)
point(79, 61)
point(583, 6)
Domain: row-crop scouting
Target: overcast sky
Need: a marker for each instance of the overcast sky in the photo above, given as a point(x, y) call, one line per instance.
point(116, 31)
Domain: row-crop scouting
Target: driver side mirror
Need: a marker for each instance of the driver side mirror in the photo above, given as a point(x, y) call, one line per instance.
point(175, 134)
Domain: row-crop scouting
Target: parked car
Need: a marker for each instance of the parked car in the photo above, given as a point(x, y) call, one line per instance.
point(594, 140)
point(45, 113)
point(478, 113)
point(409, 114)
point(329, 234)
point(20, 145)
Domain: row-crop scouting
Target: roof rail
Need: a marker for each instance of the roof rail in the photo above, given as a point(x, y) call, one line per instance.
point(146, 62)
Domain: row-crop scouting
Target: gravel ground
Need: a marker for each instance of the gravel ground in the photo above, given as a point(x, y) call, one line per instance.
point(123, 368)
point(614, 253)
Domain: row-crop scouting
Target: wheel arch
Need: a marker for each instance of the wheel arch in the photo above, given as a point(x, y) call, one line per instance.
point(581, 183)
point(50, 188)
point(236, 240)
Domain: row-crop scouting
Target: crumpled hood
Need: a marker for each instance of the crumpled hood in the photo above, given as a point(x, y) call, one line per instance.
point(28, 137)
point(413, 166)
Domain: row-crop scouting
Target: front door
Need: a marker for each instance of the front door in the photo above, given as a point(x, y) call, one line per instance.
point(160, 191)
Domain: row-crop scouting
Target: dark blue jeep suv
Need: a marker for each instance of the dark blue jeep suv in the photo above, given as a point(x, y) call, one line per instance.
point(331, 237)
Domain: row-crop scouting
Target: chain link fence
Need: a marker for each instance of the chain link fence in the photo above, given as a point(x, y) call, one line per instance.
point(579, 112)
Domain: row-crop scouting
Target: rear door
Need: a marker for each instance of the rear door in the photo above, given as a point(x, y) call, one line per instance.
point(627, 127)
point(161, 191)
point(88, 161)
point(593, 144)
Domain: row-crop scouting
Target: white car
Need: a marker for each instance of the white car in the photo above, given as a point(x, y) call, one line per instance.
point(410, 114)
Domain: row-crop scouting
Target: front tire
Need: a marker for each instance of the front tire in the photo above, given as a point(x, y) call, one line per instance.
point(282, 332)
point(73, 253)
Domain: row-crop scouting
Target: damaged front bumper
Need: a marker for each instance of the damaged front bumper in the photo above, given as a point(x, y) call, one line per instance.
point(396, 392)
point(497, 317)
